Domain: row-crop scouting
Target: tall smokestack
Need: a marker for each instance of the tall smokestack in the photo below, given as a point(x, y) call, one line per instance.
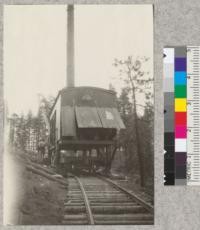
point(70, 46)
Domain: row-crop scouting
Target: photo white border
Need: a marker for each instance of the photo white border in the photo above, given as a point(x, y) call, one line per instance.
point(176, 22)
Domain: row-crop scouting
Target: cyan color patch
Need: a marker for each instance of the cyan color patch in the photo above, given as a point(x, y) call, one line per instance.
point(180, 78)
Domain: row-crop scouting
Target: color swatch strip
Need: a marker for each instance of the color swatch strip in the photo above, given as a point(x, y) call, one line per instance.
point(169, 140)
point(182, 115)
point(180, 122)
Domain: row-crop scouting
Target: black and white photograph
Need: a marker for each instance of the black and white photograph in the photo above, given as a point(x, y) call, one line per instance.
point(79, 114)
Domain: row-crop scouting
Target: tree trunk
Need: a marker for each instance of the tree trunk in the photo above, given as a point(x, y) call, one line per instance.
point(140, 154)
point(139, 150)
point(111, 156)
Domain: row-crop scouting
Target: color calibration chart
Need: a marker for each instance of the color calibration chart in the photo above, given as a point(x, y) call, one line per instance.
point(182, 115)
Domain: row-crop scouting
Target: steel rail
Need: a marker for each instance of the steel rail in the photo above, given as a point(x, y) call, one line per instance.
point(86, 201)
point(130, 194)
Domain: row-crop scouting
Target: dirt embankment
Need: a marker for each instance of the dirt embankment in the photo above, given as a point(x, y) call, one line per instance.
point(38, 200)
point(43, 201)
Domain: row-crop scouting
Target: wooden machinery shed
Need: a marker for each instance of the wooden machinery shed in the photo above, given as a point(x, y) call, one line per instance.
point(84, 118)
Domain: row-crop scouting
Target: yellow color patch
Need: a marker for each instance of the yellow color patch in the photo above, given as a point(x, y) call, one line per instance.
point(180, 105)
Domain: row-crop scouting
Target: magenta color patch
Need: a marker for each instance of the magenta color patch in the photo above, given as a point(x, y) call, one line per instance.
point(180, 132)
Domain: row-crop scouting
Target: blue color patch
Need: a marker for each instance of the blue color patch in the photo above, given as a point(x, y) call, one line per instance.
point(180, 64)
point(180, 78)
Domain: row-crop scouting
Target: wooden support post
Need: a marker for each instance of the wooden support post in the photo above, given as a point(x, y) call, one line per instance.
point(57, 157)
point(90, 161)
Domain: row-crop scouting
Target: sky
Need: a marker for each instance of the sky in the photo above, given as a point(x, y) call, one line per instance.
point(35, 48)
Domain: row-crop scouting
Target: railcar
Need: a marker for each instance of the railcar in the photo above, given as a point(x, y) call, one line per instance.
point(84, 123)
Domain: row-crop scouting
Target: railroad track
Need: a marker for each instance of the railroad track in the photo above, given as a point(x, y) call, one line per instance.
point(100, 201)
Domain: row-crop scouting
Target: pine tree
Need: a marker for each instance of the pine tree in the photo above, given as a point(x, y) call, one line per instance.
point(124, 105)
point(21, 132)
point(136, 80)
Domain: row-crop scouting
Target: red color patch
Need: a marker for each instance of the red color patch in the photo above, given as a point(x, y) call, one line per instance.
point(180, 118)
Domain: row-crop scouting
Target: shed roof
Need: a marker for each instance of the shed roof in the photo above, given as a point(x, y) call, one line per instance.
point(110, 118)
point(87, 117)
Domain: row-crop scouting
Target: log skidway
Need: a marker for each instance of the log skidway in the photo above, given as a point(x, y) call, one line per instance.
point(100, 201)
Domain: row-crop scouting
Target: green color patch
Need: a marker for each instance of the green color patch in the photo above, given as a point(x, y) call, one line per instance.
point(180, 91)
